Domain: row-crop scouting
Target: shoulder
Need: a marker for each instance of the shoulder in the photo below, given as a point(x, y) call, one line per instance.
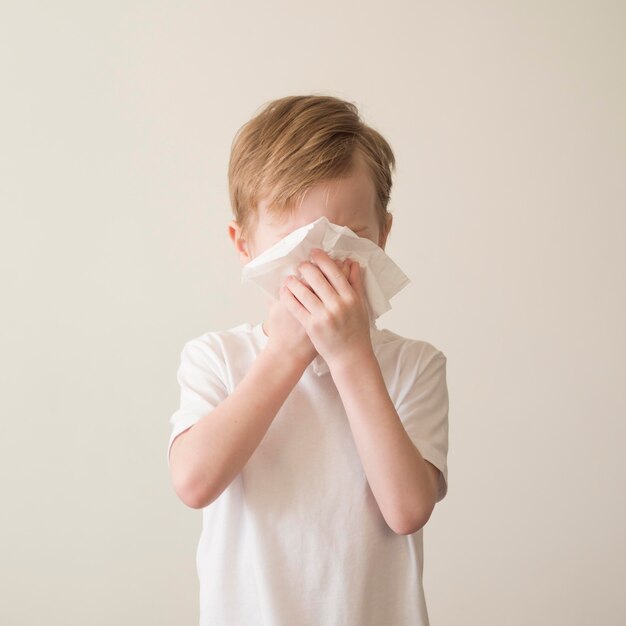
point(217, 344)
point(408, 351)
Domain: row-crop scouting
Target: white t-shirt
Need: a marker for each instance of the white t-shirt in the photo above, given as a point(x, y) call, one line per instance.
point(297, 538)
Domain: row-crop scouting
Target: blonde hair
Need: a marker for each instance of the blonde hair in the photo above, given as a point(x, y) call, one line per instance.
point(295, 142)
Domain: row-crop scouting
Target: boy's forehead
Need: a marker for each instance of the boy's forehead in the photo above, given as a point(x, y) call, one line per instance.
point(355, 219)
point(351, 210)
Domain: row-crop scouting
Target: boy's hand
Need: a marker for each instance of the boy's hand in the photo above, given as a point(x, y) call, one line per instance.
point(286, 332)
point(287, 335)
point(330, 305)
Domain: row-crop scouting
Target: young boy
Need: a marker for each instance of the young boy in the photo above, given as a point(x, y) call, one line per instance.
point(314, 489)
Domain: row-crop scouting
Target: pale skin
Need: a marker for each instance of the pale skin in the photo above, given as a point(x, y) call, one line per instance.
point(321, 312)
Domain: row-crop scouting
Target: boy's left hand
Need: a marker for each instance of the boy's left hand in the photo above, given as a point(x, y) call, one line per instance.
point(332, 308)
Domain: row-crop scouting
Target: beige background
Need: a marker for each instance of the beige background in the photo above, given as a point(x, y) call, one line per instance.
point(507, 120)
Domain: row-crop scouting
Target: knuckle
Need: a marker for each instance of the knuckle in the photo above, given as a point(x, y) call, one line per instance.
point(322, 320)
point(349, 299)
point(334, 310)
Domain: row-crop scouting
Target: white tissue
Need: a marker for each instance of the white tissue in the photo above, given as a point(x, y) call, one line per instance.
point(382, 278)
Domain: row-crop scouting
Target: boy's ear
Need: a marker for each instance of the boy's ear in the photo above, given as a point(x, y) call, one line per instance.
point(382, 239)
point(241, 245)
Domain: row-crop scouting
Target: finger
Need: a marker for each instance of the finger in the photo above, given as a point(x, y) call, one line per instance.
point(356, 279)
point(293, 305)
point(318, 281)
point(304, 295)
point(355, 275)
point(345, 268)
point(330, 270)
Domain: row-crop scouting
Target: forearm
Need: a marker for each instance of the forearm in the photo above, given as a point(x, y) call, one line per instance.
point(215, 449)
point(395, 469)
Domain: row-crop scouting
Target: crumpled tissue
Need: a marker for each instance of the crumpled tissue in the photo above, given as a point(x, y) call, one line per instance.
point(382, 278)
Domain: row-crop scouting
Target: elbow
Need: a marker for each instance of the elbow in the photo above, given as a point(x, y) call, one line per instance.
point(413, 514)
point(190, 493)
point(410, 523)
point(192, 499)
point(409, 526)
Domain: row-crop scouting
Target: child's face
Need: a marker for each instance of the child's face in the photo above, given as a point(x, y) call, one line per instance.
point(347, 202)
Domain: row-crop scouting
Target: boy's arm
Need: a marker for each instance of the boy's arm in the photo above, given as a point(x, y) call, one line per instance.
point(403, 483)
point(205, 458)
point(332, 309)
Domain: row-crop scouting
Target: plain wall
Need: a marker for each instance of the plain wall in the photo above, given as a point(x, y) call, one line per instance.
point(507, 120)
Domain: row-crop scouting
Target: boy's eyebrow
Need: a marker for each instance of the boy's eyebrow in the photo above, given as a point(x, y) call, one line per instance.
point(352, 228)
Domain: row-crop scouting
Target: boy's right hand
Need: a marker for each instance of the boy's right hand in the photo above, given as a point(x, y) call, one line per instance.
point(286, 333)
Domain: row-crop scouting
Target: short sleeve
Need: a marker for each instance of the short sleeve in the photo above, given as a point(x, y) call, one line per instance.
point(423, 409)
point(201, 379)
